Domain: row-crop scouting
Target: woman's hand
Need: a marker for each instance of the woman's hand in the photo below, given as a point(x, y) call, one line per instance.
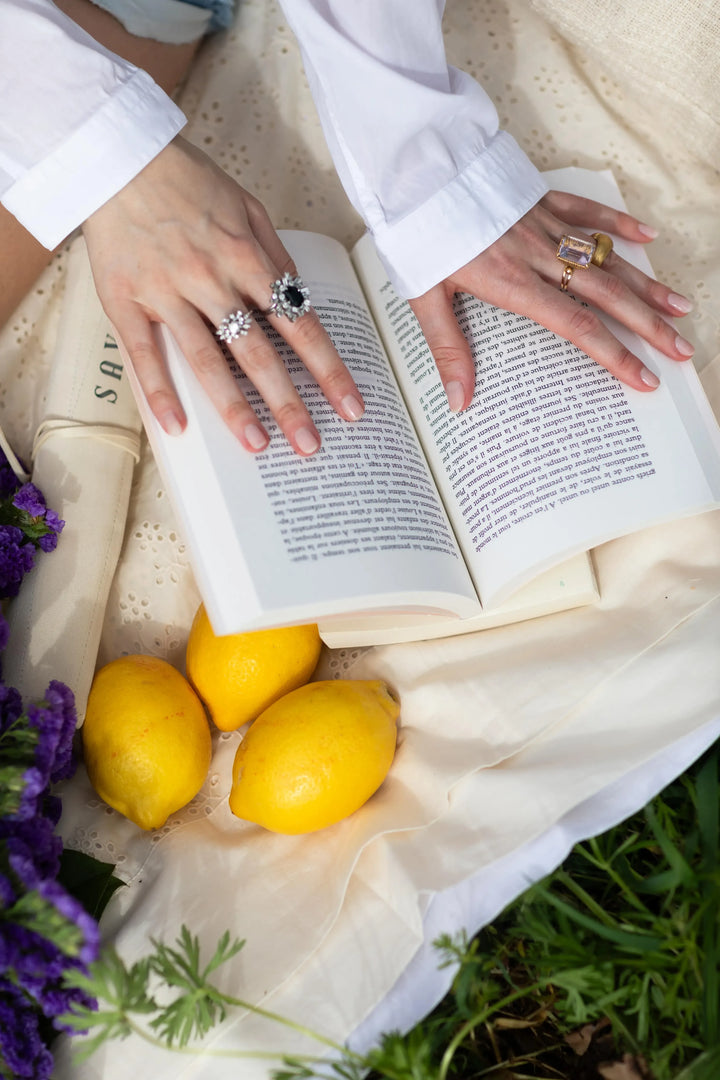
point(183, 244)
point(521, 273)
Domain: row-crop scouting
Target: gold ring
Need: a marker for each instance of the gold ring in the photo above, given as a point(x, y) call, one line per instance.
point(567, 273)
point(574, 252)
point(603, 247)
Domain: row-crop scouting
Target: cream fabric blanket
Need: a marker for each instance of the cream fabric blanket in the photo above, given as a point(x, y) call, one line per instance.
point(505, 734)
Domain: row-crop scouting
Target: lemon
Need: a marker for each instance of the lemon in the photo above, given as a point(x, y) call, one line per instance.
point(239, 675)
point(315, 756)
point(146, 739)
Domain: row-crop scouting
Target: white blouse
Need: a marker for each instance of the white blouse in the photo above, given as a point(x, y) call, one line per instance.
point(415, 142)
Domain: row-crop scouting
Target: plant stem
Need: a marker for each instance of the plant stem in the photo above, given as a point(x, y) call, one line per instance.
point(606, 866)
point(238, 1003)
point(265, 1055)
point(478, 1019)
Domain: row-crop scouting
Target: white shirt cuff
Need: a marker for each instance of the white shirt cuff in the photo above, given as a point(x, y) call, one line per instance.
point(462, 219)
point(60, 192)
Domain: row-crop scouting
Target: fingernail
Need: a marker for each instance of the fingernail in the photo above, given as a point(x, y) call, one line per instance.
point(256, 436)
point(456, 395)
point(684, 346)
point(306, 441)
point(649, 378)
point(352, 407)
point(172, 423)
point(680, 303)
point(649, 230)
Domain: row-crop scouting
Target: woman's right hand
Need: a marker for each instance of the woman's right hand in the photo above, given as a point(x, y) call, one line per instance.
point(185, 245)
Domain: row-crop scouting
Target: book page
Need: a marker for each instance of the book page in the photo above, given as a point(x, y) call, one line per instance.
point(554, 455)
point(276, 538)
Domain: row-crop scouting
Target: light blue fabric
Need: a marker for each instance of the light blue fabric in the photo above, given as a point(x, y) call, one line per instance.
point(173, 22)
point(223, 12)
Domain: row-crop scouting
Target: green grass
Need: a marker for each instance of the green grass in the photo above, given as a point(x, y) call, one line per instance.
point(625, 933)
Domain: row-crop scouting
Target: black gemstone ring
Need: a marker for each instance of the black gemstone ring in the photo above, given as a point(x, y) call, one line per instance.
point(289, 297)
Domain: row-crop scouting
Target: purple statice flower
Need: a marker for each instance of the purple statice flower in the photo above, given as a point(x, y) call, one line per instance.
point(30, 499)
point(11, 706)
point(72, 910)
point(60, 699)
point(46, 933)
point(4, 631)
point(16, 558)
point(48, 542)
point(40, 525)
point(7, 892)
point(9, 482)
point(54, 719)
point(22, 1050)
point(34, 848)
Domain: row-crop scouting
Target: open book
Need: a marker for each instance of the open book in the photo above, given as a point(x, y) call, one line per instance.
point(415, 522)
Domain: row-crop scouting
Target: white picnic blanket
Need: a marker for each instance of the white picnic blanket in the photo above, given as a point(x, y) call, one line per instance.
point(515, 741)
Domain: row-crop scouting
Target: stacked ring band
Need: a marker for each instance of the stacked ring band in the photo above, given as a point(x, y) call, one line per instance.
point(233, 326)
point(289, 296)
point(603, 247)
point(575, 251)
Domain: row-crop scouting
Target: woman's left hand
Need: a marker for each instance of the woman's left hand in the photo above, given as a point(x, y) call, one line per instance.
point(521, 273)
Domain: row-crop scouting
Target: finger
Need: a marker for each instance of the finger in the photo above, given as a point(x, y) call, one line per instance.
point(134, 330)
point(204, 355)
point(306, 336)
point(597, 217)
point(584, 328)
point(449, 346)
point(649, 290)
point(265, 368)
point(611, 294)
point(309, 339)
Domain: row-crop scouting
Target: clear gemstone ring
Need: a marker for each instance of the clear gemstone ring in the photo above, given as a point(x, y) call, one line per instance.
point(574, 252)
point(289, 296)
point(233, 326)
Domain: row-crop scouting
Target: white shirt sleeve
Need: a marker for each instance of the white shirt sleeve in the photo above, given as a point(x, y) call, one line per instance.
point(76, 121)
point(416, 143)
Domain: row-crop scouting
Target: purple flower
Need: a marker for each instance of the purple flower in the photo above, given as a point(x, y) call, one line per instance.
point(16, 558)
point(54, 521)
point(7, 892)
point(8, 480)
point(4, 632)
point(21, 1048)
point(72, 910)
point(35, 847)
point(46, 933)
point(11, 706)
point(55, 719)
point(48, 542)
point(30, 499)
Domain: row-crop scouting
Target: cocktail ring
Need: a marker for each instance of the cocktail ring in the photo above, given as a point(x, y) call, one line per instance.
point(289, 297)
point(574, 252)
point(603, 247)
point(233, 326)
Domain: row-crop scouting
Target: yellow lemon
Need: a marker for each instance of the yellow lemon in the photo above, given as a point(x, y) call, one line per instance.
point(315, 756)
point(146, 739)
point(239, 675)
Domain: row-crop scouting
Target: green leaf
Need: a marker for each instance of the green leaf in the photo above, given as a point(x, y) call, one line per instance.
point(89, 880)
point(635, 941)
point(686, 875)
point(705, 1067)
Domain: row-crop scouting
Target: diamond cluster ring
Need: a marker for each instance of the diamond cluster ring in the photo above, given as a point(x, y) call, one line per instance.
point(289, 297)
point(233, 326)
